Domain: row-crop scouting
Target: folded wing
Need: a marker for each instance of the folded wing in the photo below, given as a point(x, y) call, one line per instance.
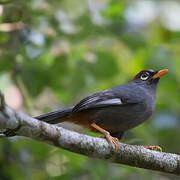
point(100, 99)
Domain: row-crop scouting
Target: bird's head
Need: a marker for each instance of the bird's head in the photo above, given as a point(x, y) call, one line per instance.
point(149, 76)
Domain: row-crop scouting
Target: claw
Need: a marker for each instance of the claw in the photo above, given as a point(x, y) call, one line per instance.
point(115, 144)
point(111, 140)
point(155, 148)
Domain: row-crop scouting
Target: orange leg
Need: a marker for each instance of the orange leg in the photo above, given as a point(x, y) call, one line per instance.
point(111, 140)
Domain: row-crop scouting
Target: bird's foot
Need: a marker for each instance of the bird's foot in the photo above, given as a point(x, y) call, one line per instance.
point(155, 148)
point(111, 140)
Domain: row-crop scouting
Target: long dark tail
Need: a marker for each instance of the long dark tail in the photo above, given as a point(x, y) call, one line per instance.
point(55, 116)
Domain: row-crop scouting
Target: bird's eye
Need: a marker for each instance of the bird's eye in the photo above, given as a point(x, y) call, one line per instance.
point(145, 76)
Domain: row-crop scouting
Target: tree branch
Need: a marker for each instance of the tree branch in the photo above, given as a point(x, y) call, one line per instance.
point(131, 155)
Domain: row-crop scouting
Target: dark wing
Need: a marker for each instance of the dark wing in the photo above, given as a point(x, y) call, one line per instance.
point(99, 99)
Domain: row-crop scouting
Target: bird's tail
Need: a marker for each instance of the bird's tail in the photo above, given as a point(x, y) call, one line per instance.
point(55, 116)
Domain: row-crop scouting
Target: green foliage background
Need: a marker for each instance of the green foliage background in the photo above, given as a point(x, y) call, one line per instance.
point(59, 53)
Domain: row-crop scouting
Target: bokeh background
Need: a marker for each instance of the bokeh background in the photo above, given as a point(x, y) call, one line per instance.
point(53, 53)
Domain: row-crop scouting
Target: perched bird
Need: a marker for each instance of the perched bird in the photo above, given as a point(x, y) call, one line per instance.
point(115, 110)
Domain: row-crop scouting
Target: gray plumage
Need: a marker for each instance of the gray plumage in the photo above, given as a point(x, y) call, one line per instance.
point(117, 109)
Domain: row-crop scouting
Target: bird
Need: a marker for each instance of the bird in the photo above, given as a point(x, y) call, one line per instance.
point(113, 111)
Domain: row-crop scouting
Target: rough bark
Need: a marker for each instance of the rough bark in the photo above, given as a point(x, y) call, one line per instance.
point(131, 155)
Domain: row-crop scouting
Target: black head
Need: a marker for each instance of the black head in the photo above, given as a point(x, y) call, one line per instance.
point(150, 76)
